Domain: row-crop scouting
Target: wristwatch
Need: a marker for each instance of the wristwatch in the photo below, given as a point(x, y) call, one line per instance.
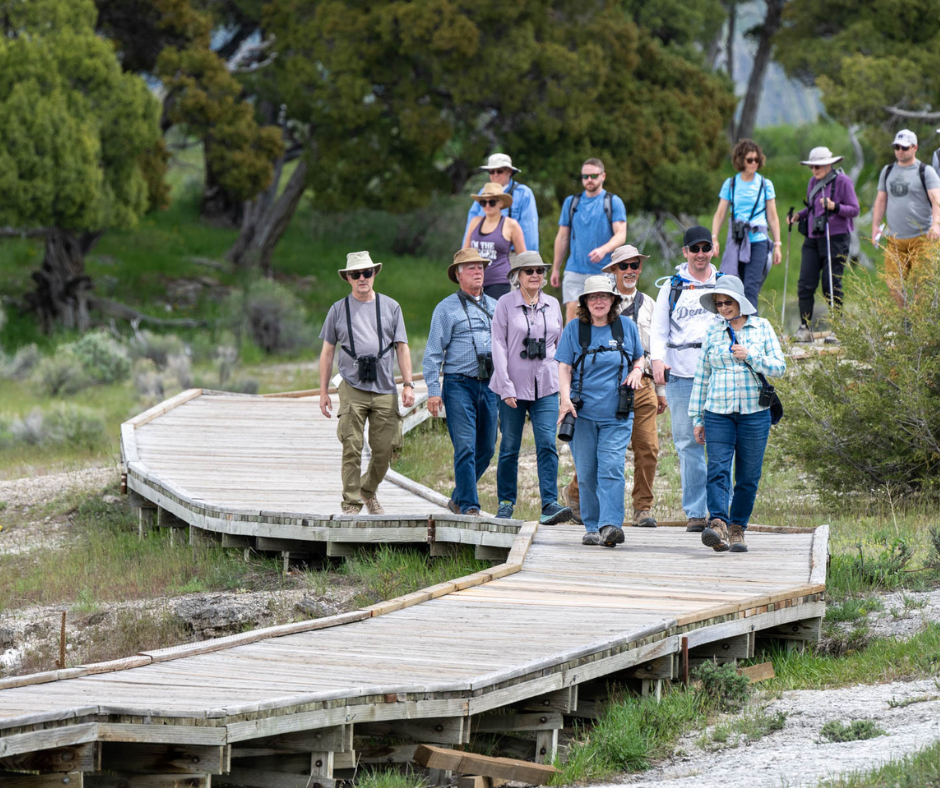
point(408, 383)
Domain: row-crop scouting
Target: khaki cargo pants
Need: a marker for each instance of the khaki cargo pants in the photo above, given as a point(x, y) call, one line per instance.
point(381, 411)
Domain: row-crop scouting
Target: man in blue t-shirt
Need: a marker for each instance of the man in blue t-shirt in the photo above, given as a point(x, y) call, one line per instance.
point(592, 224)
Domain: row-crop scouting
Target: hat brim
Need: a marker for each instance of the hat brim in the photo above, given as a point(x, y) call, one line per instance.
point(343, 271)
point(611, 265)
point(452, 268)
point(487, 168)
point(822, 162)
point(505, 199)
point(705, 299)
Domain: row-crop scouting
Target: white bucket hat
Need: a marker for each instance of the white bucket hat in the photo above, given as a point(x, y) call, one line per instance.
point(600, 283)
point(357, 261)
point(497, 161)
point(731, 286)
point(820, 156)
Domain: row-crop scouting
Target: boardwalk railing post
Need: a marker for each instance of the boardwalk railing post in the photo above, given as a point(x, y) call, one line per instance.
point(685, 661)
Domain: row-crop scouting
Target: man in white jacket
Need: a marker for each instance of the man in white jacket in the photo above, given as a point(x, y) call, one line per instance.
point(678, 328)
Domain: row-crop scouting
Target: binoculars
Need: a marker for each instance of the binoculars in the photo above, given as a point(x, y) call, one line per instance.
point(533, 348)
point(368, 368)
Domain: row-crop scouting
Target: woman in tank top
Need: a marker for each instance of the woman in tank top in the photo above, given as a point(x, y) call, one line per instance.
point(493, 235)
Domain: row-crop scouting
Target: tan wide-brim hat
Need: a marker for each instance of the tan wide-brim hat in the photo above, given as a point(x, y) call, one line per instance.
point(530, 259)
point(497, 161)
point(599, 283)
point(357, 261)
point(492, 190)
point(621, 253)
point(820, 157)
point(462, 257)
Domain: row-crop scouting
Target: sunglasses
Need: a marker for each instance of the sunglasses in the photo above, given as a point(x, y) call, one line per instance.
point(491, 203)
point(500, 171)
point(533, 271)
point(721, 304)
point(901, 147)
point(590, 176)
point(817, 166)
point(751, 160)
point(625, 266)
point(698, 248)
point(366, 274)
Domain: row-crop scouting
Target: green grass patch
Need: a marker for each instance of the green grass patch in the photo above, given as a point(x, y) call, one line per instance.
point(747, 728)
point(856, 730)
point(920, 770)
point(852, 609)
point(386, 778)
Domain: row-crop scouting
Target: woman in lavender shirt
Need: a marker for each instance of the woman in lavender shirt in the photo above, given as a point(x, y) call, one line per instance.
point(526, 327)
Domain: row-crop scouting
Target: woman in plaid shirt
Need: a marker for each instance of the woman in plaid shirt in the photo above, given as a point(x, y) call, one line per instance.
point(726, 412)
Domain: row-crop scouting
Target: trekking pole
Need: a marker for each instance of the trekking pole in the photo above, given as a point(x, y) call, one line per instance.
point(786, 266)
point(829, 258)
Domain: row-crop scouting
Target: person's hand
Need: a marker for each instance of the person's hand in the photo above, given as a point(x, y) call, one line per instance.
point(739, 352)
point(564, 407)
point(407, 396)
point(434, 406)
point(596, 255)
point(934, 232)
point(510, 401)
point(778, 254)
point(792, 217)
point(326, 405)
point(635, 379)
point(660, 405)
point(555, 278)
point(659, 377)
point(716, 248)
point(699, 435)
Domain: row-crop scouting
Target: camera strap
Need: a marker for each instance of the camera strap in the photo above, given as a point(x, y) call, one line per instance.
point(528, 325)
point(760, 191)
point(351, 350)
point(479, 305)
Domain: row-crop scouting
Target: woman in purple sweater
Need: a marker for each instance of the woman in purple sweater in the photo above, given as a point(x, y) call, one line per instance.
point(828, 194)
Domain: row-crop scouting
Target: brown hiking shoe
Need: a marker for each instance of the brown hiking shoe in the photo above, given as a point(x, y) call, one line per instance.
point(349, 508)
point(573, 502)
point(373, 506)
point(696, 525)
point(716, 537)
point(736, 539)
point(643, 518)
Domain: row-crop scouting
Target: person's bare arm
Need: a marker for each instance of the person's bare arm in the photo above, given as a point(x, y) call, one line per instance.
point(934, 232)
point(619, 238)
point(773, 221)
point(474, 223)
point(516, 236)
point(561, 251)
point(720, 212)
point(877, 214)
point(404, 364)
point(326, 371)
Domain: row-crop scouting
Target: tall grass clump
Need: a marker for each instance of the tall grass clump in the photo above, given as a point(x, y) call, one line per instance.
point(919, 770)
point(868, 420)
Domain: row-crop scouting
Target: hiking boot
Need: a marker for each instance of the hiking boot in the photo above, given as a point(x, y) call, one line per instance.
point(573, 502)
point(803, 334)
point(350, 508)
point(591, 537)
point(452, 506)
point(473, 511)
point(832, 339)
point(736, 539)
point(611, 535)
point(643, 518)
point(696, 525)
point(373, 506)
point(552, 514)
point(715, 536)
point(505, 510)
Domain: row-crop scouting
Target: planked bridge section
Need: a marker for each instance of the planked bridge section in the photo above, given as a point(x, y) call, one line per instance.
point(517, 649)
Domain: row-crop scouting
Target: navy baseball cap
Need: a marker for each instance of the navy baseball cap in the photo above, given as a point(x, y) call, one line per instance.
point(695, 235)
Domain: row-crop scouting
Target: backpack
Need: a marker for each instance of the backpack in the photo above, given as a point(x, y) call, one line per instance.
point(633, 310)
point(584, 339)
point(608, 210)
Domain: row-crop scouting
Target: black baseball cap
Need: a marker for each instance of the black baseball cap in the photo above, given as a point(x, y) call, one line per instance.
point(695, 235)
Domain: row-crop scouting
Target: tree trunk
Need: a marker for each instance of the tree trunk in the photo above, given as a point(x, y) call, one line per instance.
point(218, 206)
point(266, 219)
point(729, 47)
point(61, 294)
point(755, 83)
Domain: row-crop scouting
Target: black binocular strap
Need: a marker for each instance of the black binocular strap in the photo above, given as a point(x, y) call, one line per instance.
point(351, 350)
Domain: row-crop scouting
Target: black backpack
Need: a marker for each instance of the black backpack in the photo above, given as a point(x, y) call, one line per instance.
point(922, 169)
point(608, 210)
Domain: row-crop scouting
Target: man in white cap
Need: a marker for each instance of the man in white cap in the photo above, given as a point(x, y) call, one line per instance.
point(523, 208)
point(909, 196)
point(830, 197)
point(366, 326)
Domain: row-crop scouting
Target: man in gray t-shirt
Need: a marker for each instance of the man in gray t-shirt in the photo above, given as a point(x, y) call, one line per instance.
point(909, 197)
point(366, 327)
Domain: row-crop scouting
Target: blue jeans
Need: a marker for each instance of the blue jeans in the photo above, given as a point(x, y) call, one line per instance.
point(752, 273)
point(740, 438)
point(600, 450)
point(471, 422)
point(692, 469)
point(543, 413)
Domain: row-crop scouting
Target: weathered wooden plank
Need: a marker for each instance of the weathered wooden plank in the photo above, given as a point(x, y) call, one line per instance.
point(79, 757)
point(15, 780)
point(131, 780)
point(51, 738)
point(819, 559)
point(486, 766)
point(164, 758)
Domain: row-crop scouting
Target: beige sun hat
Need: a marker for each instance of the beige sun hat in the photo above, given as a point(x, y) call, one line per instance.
point(599, 283)
point(357, 261)
point(491, 190)
point(497, 161)
point(821, 156)
point(530, 259)
point(621, 253)
point(462, 257)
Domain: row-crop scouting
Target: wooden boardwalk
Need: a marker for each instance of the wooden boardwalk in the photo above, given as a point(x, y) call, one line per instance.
point(516, 648)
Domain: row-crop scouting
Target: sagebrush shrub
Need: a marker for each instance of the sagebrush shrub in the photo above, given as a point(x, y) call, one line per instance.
point(271, 315)
point(159, 348)
point(722, 685)
point(21, 365)
point(61, 425)
point(60, 375)
point(104, 359)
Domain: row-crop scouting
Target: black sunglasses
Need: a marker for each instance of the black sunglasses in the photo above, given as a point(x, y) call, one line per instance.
point(720, 304)
point(751, 160)
point(533, 271)
point(635, 266)
point(367, 274)
point(491, 203)
point(590, 176)
point(700, 248)
point(902, 147)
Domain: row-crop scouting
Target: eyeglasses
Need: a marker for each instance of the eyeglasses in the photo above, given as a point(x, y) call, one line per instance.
point(635, 266)
point(751, 160)
point(366, 274)
point(698, 248)
point(533, 271)
point(902, 147)
point(598, 296)
point(722, 304)
point(500, 171)
point(590, 176)
point(817, 166)
point(491, 203)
